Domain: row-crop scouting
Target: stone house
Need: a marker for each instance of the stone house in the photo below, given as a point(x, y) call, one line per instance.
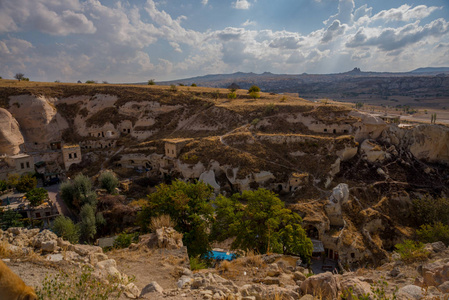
point(174, 146)
point(20, 164)
point(71, 155)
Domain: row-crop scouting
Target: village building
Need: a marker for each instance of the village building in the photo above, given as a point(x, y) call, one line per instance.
point(71, 155)
point(174, 146)
point(20, 164)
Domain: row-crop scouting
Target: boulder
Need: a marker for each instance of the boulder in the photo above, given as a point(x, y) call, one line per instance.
point(184, 281)
point(355, 287)
point(42, 237)
point(324, 285)
point(132, 291)
point(444, 288)
point(273, 270)
point(108, 268)
point(299, 276)
point(50, 246)
point(165, 237)
point(436, 273)
point(85, 250)
point(410, 292)
point(152, 287)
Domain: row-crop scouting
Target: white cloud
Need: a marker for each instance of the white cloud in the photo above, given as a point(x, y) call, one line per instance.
point(119, 42)
point(405, 13)
point(241, 4)
point(344, 15)
point(249, 23)
point(389, 39)
point(204, 2)
point(46, 16)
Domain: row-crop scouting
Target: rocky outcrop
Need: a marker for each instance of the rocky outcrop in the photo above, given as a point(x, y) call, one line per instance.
point(10, 136)
point(40, 123)
point(22, 242)
point(165, 238)
point(425, 142)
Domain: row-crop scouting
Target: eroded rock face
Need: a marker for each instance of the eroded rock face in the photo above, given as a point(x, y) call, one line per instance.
point(425, 142)
point(324, 285)
point(39, 121)
point(10, 136)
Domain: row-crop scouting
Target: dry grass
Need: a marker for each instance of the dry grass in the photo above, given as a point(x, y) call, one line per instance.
point(6, 252)
point(161, 221)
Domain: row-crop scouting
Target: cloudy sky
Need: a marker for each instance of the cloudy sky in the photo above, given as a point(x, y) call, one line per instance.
point(137, 40)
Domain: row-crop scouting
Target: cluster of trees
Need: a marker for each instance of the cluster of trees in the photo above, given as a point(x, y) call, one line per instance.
point(263, 224)
point(21, 77)
point(22, 184)
point(432, 217)
point(82, 199)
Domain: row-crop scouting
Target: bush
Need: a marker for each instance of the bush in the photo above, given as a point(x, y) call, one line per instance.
point(123, 240)
point(76, 285)
point(173, 88)
point(196, 263)
point(3, 185)
point(254, 88)
point(232, 95)
point(13, 180)
point(108, 181)
point(428, 210)
point(254, 95)
point(26, 183)
point(411, 251)
point(37, 196)
point(11, 218)
point(430, 233)
point(66, 229)
point(161, 221)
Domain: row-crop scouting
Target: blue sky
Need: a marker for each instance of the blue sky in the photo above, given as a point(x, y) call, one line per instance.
point(137, 40)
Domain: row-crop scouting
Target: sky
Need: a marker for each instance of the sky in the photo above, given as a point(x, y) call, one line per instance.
point(137, 40)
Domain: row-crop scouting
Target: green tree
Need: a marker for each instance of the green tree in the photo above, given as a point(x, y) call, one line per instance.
point(66, 229)
point(428, 210)
point(11, 218)
point(254, 88)
point(188, 204)
point(88, 226)
point(26, 183)
point(193, 84)
point(37, 196)
point(3, 185)
point(232, 95)
point(78, 192)
point(430, 233)
point(13, 180)
point(108, 181)
point(19, 76)
point(151, 82)
point(264, 224)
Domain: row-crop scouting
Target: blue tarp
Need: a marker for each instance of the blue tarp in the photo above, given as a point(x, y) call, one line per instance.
point(219, 255)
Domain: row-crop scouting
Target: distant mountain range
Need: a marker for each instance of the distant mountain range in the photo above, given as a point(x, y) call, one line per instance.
point(421, 87)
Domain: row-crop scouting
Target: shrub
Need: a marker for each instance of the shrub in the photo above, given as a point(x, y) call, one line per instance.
point(151, 82)
point(123, 240)
point(66, 229)
point(11, 218)
point(428, 210)
point(173, 88)
point(411, 251)
point(196, 263)
point(161, 221)
point(193, 84)
point(254, 95)
point(430, 233)
point(108, 181)
point(13, 180)
point(232, 95)
point(37, 196)
point(26, 183)
point(254, 88)
point(79, 285)
point(3, 185)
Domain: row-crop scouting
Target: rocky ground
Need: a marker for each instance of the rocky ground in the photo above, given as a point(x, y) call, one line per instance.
point(160, 268)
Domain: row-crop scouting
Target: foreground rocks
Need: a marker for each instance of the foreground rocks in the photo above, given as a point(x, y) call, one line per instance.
point(21, 243)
